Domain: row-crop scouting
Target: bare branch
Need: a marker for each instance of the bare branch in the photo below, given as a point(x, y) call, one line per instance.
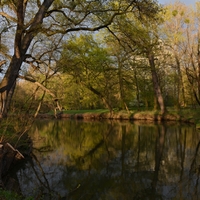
point(2, 62)
point(8, 17)
point(82, 28)
point(38, 84)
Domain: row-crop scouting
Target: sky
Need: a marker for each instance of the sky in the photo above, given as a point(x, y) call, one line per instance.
point(187, 2)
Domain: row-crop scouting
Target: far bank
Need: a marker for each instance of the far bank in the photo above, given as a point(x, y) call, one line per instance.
point(182, 115)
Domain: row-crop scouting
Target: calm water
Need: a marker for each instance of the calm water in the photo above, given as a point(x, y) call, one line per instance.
point(110, 160)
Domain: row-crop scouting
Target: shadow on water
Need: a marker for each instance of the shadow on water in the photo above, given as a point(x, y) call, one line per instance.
point(112, 160)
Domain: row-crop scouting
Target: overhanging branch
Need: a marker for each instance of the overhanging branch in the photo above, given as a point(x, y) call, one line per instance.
point(2, 62)
point(38, 84)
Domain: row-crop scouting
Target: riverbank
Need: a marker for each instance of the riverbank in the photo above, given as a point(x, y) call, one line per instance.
point(183, 115)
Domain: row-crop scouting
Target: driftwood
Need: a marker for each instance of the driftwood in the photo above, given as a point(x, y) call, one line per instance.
point(8, 156)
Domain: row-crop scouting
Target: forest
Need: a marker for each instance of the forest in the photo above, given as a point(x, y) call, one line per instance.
point(98, 54)
point(60, 56)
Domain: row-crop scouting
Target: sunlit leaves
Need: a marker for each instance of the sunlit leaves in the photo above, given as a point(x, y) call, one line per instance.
point(83, 56)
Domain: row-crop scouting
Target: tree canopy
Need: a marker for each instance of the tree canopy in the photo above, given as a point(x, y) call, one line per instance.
point(30, 23)
point(103, 53)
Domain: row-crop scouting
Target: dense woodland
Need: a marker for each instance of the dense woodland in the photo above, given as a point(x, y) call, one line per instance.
point(98, 54)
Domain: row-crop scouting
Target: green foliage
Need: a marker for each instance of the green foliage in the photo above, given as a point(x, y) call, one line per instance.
point(90, 66)
point(8, 195)
point(83, 56)
point(174, 13)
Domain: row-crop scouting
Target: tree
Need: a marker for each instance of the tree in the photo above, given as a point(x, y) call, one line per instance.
point(174, 36)
point(181, 40)
point(54, 17)
point(120, 59)
point(142, 38)
point(192, 53)
point(24, 35)
point(90, 66)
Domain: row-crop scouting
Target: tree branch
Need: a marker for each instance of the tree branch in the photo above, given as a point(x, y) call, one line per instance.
point(2, 62)
point(8, 17)
point(38, 84)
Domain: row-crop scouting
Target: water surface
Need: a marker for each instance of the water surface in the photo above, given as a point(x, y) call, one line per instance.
point(111, 160)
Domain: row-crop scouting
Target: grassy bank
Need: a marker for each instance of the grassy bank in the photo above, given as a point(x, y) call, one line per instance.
point(9, 195)
point(189, 115)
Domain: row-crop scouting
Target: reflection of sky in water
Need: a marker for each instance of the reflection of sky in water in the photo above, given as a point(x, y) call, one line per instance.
point(122, 165)
point(52, 178)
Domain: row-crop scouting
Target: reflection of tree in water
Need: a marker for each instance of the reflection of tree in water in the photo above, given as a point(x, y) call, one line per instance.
point(45, 188)
point(36, 180)
point(195, 170)
point(118, 161)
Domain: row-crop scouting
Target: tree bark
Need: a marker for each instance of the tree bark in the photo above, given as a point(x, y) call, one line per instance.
point(198, 68)
point(156, 85)
point(123, 104)
point(137, 89)
point(8, 84)
point(21, 44)
point(2, 62)
point(181, 89)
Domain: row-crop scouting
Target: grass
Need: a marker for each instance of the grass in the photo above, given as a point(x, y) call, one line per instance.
point(8, 195)
point(186, 114)
point(190, 114)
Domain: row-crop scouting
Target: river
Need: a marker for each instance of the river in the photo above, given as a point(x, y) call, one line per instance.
point(112, 160)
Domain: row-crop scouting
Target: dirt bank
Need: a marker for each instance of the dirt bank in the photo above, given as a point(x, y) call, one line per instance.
point(149, 116)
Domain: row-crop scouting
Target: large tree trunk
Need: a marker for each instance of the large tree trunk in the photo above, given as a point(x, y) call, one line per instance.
point(7, 85)
point(22, 42)
point(123, 104)
point(198, 68)
point(156, 85)
point(181, 90)
point(138, 91)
